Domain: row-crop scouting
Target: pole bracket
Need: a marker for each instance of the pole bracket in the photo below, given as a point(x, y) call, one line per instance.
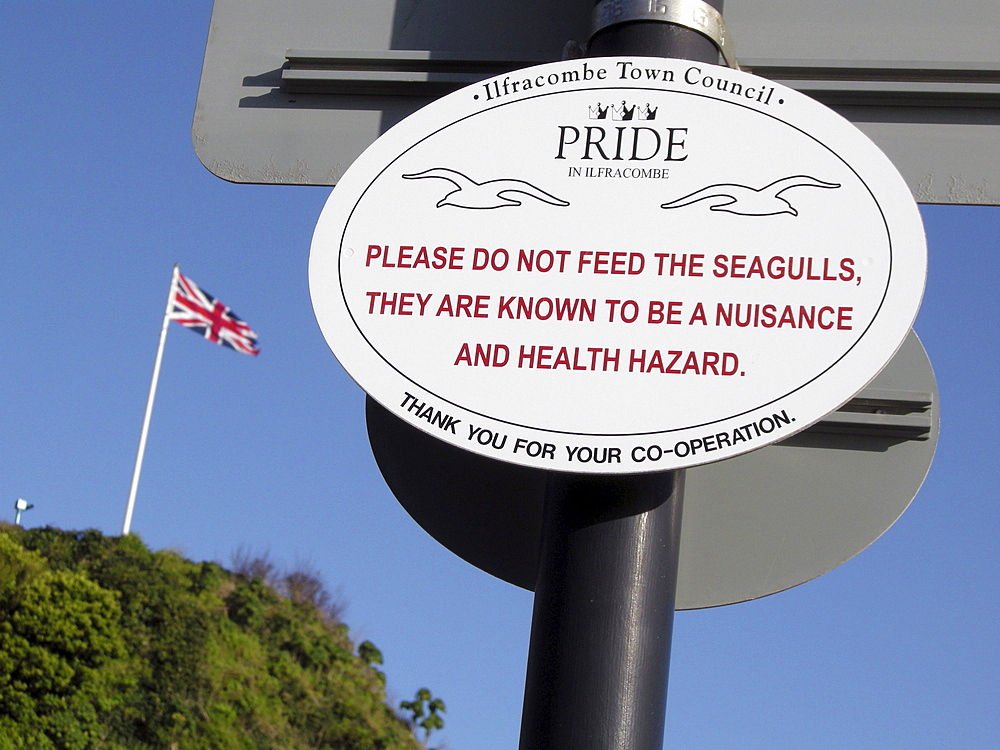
point(692, 14)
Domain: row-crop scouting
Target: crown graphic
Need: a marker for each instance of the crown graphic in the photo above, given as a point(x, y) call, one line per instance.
point(623, 112)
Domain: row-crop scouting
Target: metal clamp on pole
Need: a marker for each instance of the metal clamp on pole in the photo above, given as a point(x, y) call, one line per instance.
point(692, 14)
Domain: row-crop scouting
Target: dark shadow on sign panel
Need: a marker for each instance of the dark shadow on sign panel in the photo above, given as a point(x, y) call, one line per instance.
point(497, 29)
point(455, 495)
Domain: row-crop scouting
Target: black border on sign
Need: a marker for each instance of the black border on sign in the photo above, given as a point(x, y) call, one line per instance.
point(616, 434)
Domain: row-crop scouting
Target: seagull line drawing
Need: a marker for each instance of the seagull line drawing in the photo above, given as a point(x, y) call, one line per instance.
point(490, 194)
point(748, 201)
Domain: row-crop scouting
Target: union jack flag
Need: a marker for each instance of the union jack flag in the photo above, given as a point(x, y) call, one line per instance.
point(201, 312)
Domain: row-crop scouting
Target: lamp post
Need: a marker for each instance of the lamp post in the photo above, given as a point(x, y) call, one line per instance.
point(19, 507)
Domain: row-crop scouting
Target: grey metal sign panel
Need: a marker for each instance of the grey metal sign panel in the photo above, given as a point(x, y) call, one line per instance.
point(292, 92)
point(921, 78)
point(956, 31)
point(752, 525)
point(248, 125)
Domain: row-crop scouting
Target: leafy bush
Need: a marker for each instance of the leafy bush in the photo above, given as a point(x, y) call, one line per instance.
point(107, 644)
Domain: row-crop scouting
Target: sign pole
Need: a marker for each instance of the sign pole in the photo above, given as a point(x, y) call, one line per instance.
point(602, 621)
point(603, 613)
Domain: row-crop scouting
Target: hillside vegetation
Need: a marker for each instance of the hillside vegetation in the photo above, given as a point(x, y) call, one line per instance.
point(105, 644)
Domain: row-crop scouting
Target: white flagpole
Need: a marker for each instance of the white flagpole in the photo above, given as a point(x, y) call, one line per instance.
point(149, 406)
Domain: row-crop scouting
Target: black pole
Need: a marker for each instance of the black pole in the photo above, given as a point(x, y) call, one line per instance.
point(603, 614)
point(602, 622)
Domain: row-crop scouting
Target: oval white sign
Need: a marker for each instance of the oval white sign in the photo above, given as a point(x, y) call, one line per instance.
point(618, 265)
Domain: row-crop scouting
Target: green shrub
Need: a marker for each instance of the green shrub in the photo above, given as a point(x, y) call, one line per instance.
point(107, 644)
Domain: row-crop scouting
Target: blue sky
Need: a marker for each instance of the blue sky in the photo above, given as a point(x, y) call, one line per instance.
point(103, 194)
